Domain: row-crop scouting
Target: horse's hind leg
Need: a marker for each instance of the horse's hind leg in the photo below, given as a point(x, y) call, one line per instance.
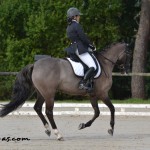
point(38, 109)
point(94, 104)
point(112, 110)
point(49, 113)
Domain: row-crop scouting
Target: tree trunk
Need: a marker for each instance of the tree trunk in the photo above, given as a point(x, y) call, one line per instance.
point(139, 57)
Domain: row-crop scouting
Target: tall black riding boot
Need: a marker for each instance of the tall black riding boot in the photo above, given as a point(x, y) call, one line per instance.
point(89, 74)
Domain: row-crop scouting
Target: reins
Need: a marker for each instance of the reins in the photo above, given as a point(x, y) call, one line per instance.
point(110, 61)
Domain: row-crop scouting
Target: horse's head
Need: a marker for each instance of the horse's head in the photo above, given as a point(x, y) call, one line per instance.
point(124, 60)
point(118, 54)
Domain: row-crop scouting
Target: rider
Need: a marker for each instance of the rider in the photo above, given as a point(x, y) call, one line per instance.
point(80, 45)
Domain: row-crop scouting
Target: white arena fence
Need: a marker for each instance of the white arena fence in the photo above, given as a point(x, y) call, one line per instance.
point(114, 74)
point(76, 109)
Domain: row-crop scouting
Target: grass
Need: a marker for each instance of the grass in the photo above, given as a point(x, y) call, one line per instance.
point(132, 101)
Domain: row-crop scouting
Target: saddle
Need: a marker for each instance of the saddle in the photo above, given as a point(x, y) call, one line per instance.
point(80, 68)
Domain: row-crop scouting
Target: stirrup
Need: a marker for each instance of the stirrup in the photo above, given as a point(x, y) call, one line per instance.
point(82, 85)
point(88, 86)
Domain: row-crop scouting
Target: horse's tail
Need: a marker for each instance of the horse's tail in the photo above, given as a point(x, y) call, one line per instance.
point(21, 91)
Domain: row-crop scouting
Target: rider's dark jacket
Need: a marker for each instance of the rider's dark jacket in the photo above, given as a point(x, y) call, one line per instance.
point(78, 38)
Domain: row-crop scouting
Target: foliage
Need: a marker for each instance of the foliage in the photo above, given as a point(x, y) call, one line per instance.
point(6, 86)
point(39, 27)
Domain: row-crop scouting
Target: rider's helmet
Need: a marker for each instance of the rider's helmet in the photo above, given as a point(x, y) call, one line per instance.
point(73, 12)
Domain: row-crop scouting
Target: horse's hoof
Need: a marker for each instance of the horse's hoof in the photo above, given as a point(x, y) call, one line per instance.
point(60, 139)
point(48, 132)
point(81, 126)
point(110, 131)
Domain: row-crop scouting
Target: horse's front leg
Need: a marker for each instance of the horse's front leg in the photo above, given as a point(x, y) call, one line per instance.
point(112, 110)
point(94, 104)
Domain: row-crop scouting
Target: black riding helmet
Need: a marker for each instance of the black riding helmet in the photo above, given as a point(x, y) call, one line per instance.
point(73, 12)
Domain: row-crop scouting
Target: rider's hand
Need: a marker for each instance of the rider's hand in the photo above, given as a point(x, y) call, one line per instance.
point(92, 47)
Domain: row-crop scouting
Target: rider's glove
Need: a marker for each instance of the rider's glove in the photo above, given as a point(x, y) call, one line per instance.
point(92, 47)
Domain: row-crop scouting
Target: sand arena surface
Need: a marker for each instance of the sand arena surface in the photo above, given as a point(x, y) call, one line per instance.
point(131, 133)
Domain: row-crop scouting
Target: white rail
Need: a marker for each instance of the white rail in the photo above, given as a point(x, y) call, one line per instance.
point(86, 109)
point(114, 74)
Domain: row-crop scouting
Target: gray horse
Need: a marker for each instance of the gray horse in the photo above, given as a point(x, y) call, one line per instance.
point(49, 75)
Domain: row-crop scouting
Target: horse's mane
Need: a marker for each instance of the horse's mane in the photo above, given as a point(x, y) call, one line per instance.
point(109, 46)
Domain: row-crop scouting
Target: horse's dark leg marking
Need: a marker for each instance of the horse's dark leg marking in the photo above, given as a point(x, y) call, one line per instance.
point(112, 110)
point(38, 109)
point(49, 113)
point(94, 104)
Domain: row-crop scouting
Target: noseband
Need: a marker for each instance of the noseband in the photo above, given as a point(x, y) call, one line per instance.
point(128, 58)
point(125, 68)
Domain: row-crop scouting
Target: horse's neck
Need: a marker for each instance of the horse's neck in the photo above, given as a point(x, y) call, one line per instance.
point(107, 66)
point(110, 56)
point(107, 60)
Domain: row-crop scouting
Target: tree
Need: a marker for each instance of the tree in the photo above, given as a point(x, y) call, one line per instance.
point(140, 51)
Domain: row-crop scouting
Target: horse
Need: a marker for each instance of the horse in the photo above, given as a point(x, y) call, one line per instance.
point(49, 75)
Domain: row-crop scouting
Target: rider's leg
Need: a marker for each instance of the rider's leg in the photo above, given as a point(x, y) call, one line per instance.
point(88, 75)
point(88, 60)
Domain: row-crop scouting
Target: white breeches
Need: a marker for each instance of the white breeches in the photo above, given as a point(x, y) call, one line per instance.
point(87, 59)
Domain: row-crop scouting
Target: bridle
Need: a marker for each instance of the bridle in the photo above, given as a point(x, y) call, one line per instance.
point(128, 58)
point(123, 67)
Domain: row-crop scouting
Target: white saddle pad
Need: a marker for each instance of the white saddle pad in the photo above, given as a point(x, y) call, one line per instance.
point(79, 69)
